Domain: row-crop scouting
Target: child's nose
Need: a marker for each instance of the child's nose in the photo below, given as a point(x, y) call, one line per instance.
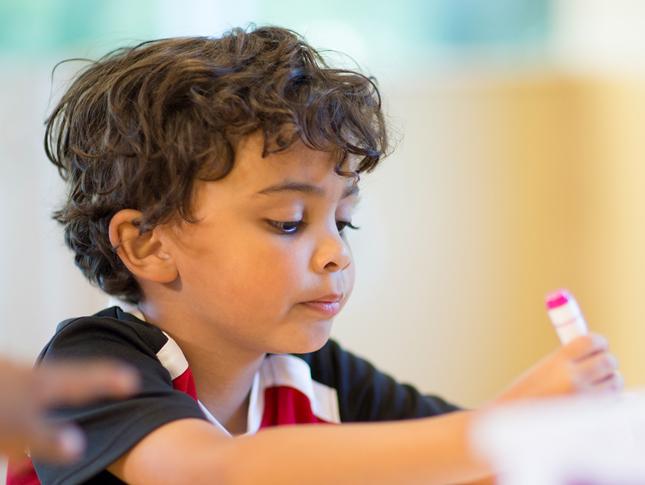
point(332, 254)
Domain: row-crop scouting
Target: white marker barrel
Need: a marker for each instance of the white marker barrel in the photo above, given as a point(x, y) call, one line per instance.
point(565, 316)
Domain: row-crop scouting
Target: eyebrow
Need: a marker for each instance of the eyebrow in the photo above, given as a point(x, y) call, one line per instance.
point(305, 188)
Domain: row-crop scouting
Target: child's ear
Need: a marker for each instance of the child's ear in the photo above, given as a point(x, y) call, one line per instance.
point(143, 254)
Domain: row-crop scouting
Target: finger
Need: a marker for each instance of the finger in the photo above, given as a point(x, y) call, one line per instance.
point(593, 370)
point(613, 383)
point(79, 382)
point(586, 345)
point(56, 443)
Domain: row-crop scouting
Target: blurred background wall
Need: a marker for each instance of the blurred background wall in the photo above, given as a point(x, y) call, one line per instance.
point(518, 169)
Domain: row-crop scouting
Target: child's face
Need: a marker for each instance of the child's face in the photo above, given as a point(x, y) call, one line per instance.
point(261, 250)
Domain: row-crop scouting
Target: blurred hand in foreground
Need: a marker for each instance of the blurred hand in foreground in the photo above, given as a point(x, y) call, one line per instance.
point(27, 393)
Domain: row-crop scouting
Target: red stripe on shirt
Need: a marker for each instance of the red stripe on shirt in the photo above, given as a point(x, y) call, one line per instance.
point(185, 383)
point(22, 474)
point(286, 405)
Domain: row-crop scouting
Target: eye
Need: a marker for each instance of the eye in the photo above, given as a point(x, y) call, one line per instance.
point(293, 227)
point(341, 225)
point(286, 227)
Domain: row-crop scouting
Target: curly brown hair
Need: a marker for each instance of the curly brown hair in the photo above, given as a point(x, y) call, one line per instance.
point(137, 127)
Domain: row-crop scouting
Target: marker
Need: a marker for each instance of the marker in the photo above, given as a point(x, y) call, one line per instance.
point(565, 315)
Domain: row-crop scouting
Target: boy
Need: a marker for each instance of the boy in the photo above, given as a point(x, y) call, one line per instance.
point(211, 183)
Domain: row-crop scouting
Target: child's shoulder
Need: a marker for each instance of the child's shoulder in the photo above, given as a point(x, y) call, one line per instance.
point(110, 332)
point(113, 427)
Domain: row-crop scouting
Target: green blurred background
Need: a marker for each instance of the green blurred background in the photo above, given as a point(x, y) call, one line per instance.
point(401, 30)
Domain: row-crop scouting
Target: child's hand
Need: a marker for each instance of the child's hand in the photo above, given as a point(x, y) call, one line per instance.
point(583, 365)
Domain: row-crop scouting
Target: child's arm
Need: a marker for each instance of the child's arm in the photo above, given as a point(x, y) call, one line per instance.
point(430, 450)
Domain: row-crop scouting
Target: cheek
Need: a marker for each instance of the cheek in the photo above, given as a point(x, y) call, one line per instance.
point(267, 275)
point(276, 267)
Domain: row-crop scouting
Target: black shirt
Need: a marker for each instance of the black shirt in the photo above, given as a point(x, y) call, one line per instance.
point(329, 385)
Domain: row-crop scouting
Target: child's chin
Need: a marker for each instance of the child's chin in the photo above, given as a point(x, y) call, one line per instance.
point(305, 342)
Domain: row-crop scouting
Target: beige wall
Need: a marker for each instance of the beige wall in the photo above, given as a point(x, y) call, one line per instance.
point(503, 188)
point(615, 255)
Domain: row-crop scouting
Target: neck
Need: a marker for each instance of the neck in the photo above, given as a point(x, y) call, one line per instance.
point(223, 383)
point(223, 372)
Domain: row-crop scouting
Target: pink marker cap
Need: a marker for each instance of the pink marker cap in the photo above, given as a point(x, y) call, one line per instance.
point(557, 299)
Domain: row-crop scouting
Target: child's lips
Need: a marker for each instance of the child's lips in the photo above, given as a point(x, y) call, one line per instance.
point(327, 308)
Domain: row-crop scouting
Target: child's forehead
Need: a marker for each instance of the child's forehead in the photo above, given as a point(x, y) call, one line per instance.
point(298, 163)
